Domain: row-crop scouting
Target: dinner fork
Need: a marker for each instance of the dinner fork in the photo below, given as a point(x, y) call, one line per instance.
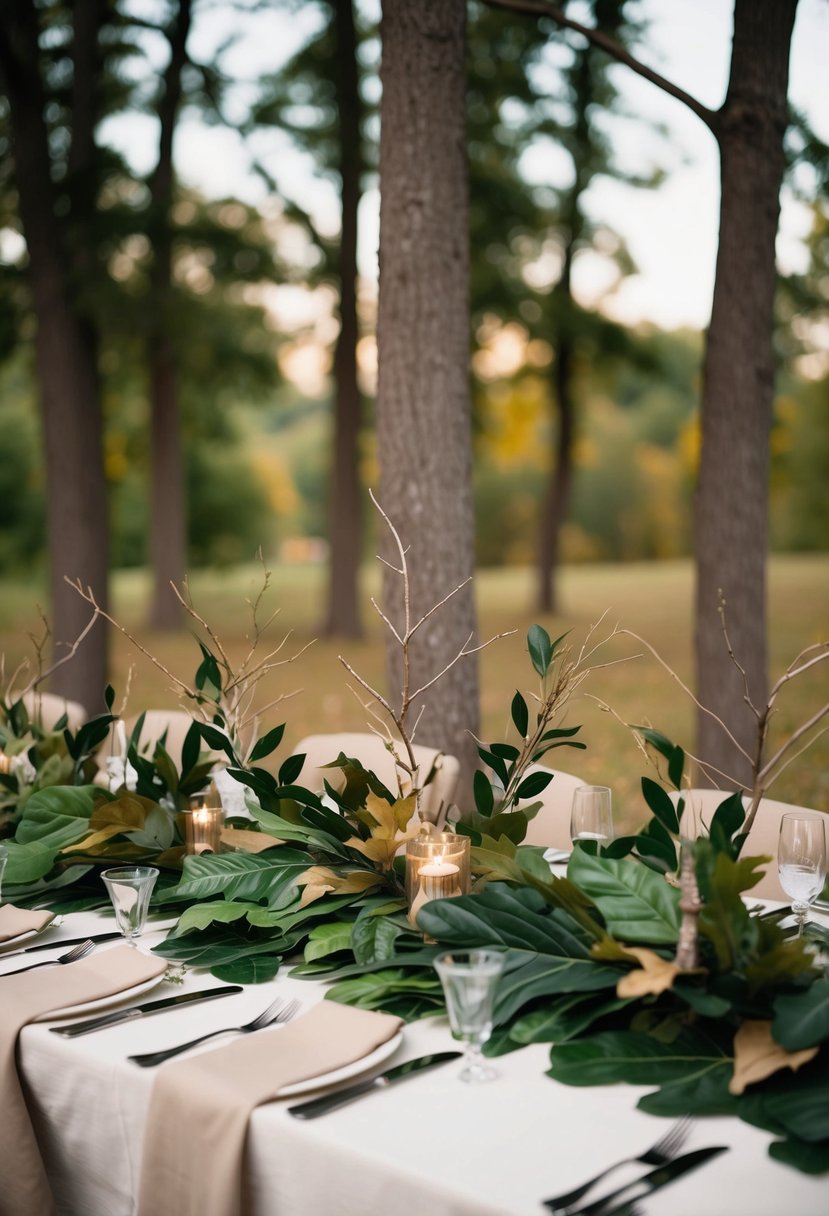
point(661, 1153)
point(278, 1011)
point(71, 956)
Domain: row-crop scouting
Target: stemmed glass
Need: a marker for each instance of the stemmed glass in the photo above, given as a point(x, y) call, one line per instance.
point(470, 979)
point(4, 857)
point(801, 861)
point(130, 888)
point(591, 819)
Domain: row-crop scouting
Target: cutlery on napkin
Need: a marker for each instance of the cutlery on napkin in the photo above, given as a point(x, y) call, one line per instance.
point(24, 1185)
point(214, 1094)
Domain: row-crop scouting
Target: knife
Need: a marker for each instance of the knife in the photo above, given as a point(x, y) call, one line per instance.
point(321, 1106)
point(649, 1183)
point(64, 941)
point(139, 1011)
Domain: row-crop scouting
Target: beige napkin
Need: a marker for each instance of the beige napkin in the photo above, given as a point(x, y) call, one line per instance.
point(200, 1107)
point(14, 921)
point(24, 1188)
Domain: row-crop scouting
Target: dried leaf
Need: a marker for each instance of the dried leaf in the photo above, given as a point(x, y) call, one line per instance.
point(758, 1055)
point(320, 880)
point(655, 975)
point(244, 841)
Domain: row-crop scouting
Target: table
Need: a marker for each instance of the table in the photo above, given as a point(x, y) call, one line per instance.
point(431, 1146)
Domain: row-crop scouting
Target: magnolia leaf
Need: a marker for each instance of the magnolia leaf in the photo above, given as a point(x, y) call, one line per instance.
point(27, 863)
point(654, 976)
point(90, 843)
point(246, 841)
point(324, 940)
point(757, 1055)
point(200, 916)
point(256, 970)
point(261, 876)
point(637, 903)
point(567, 1017)
point(320, 880)
point(802, 1019)
point(59, 815)
point(373, 938)
point(694, 1095)
point(637, 1058)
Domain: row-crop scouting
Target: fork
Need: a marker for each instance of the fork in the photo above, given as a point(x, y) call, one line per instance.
point(71, 956)
point(278, 1011)
point(661, 1153)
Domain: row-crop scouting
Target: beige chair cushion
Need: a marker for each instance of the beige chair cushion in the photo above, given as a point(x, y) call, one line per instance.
point(369, 749)
point(46, 708)
point(551, 825)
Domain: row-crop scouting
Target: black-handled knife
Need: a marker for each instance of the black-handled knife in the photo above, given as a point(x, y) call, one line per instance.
point(321, 1106)
point(63, 941)
point(140, 1011)
point(648, 1183)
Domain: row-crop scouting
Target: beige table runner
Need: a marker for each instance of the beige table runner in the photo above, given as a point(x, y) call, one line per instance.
point(200, 1107)
point(24, 1187)
point(14, 921)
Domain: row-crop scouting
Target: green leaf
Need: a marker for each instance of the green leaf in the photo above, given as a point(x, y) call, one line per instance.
point(327, 939)
point(694, 1095)
point(565, 1019)
point(290, 769)
point(638, 1059)
point(726, 822)
point(268, 743)
point(496, 763)
point(250, 876)
point(661, 805)
point(482, 790)
point(59, 815)
point(27, 863)
point(540, 648)
point(257, 970)
point(373, 938)
point(799, 1101)
point(808, 1158)
point(534, 784)
point(637, 904)
point(802, 1019)
point(520, 714)
point(216, 740)
point(201, 916)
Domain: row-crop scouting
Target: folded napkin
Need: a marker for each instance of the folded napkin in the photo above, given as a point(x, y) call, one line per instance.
point(14, 921)
point(24, 1188)
point(200, 1107)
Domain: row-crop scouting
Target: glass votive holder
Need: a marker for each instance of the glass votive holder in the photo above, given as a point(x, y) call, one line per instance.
point(202, 827)
point(437, 867)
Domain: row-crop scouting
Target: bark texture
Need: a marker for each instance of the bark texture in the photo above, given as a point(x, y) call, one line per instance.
point(78, 534)
point(345, 526)
point(423, 403)
point(731, 507)
point(168, 505)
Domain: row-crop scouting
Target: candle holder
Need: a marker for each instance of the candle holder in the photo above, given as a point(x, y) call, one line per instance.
point(437, 867)
point(202, 826)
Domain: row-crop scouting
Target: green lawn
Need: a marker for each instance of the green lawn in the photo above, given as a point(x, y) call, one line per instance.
point(653, 600)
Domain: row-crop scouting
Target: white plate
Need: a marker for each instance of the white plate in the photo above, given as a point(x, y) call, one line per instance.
point(354, 1069)
point(103, 1002)
point(24, 937)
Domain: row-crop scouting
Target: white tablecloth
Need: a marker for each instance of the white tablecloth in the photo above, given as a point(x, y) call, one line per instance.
point(431, 1146)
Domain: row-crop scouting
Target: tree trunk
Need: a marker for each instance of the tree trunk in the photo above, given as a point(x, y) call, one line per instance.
point(731, 507)
point(67, 377)
point(168, 510)
point(345, 526)
point(423, 403)
point(554, 512)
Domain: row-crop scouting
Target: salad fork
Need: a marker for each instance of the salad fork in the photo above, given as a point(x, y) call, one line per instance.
point(278, 1011)
point(661, 1153)
point(71, 956)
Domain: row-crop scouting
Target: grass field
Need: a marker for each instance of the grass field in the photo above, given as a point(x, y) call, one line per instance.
point(653, 600)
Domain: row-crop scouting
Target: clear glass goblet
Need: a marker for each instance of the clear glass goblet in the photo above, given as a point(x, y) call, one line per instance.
point(4, 857)
point(591, 821)
point(130, 888)
point(801, 861)
point(470, 979)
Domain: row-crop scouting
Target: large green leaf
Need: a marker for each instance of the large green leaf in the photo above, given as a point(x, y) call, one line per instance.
point(638, 1058)
point(799, 1101)
point(250, 876)
point(565, 1018)
point(256, 970)
point(27, 863)
point(59, 815)
point(694, 1095)
point(327, 939)
point(802, 1019)
point(808, 1158)
point(201, 916)
point(637, 903)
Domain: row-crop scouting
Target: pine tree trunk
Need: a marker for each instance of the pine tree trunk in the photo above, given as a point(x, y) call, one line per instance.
point(168, 504)
point(77, 512)
point(731, 508)
point(423, 405)
point(345, 526)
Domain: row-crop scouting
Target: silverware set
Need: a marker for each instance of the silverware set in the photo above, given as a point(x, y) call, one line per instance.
point(669, 1165)
point(278, 1011)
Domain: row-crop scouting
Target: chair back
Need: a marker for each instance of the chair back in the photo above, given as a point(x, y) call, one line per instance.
point(371, 752)
point(47, 708)
point(551, 825)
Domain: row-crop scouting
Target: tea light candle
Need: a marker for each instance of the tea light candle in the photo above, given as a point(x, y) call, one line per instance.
point(203, 827)
point(441, 878)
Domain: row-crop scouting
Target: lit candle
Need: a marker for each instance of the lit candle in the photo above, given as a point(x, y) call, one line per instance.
point(203, 829)
point(437, 879)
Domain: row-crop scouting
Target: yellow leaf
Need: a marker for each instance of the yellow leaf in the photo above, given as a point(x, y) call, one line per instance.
point(244, 841)
point(130, 811)
point(89, 843)
point(757, 1055)
point(655, 975)
point(320, 880)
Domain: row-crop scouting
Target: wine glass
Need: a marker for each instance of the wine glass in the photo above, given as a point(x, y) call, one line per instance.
point(470, 979)
point(801, 861)
point(591, 819)
point(130, 888)
point(4, 857)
